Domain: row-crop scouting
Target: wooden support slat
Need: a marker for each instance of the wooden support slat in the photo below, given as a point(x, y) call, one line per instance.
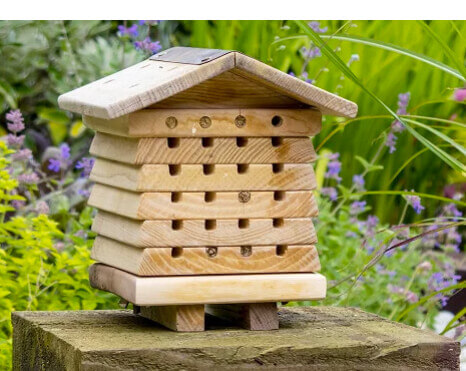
point(240, 150)
point(181, 318)
point(253, 316)
point(223, 232)
point(218, 122)
point(165, 261)
point(199, 178)
point(218, 289)
point(203, 205)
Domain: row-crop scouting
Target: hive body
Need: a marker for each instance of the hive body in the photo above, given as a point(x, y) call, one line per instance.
point(205, 195)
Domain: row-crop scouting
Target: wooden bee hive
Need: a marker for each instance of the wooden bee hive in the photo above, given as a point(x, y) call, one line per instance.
point(204, 186)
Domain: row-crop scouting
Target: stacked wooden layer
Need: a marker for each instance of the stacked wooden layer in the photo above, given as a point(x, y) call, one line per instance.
point(206, 206)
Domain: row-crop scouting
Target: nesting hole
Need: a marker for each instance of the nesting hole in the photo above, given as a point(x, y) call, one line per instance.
point(241, 142)
point(243, 223)
point(207, 142)
point(277, 141)
point(173, 142)
point(210, 224)
point(176, 196)
point(177, 225)
point(209, 196)
point(208, 169)
point(277, 121)
point(281, 250)
point(174, 169)
point(211, 251)
point(246, 251)
point(177, 252)
point(278, 222)
point(242, 168)
point(240, 121)
point(279, 195)
point(278, 168)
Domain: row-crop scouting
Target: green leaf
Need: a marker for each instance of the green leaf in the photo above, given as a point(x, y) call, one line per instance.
point(315, 38)
point(450, 53)
point(397, 49)
point(407, 193)
point(367, 165)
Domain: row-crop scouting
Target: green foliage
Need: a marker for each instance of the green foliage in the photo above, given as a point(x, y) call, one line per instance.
point(41, 268)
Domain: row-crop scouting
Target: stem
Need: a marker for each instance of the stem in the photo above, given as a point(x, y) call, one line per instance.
point(403, 214)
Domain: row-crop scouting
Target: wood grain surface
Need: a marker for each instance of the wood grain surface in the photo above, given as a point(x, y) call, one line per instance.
point(203, 205)
point(222, 232)
point(181, 318)
point(212, 122)
point(179, 178)
point(218, 289)
point(240, 150)
point(165, 261)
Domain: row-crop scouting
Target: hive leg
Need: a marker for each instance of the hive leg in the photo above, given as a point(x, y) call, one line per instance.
point(182, 318)
point(252, 316)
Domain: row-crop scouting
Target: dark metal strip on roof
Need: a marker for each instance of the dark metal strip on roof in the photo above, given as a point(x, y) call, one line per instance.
point(186, 55)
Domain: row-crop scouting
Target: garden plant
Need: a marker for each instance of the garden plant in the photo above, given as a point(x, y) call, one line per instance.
point(390, 181)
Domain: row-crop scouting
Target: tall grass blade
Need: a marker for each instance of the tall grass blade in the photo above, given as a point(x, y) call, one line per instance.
point(315, 38)
point(419, 194)
point(397, 49)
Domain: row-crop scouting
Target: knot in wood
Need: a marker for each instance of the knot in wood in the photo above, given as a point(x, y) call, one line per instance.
point(205, 122)
point(240, 121)
point(246, 251)
point(171, 122)
point(244, 196)
point(211, 252)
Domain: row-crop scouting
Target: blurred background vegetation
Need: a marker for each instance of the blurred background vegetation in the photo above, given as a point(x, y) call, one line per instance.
point(42, 59)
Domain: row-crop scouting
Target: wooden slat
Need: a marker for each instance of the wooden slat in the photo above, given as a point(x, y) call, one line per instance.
point(181, 318)
point(203, 150)
point(229, 90)
point(253, 316)
point(221, 289)
point(203, 205)
point(165, 261)
point(226, 232)
point(199, 178)
point(152, 123)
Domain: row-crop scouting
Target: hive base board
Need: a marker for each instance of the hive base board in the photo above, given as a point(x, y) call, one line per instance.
point(191, 318)
point(214, 289)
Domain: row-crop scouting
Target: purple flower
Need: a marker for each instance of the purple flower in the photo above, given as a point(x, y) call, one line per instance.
point(358, 182)
point(371, 224)
point(22, 154)
point(415, 202)
point(131, 31)
point(148, 22)
point(15, 140)
point(460, 94)
point(451, 210)
point(54, 165)
point(85, 165)
point(311, 53)
point(353, 58)
point(391, 142)
point(42, 207)
point(315, 26)
point(147, 45)
point(357, 207)
point(411, 297)
point(30, 178)
point(16, 121)
point(305, 77)
point(333, 167)
point(17, 204)
point(292, 74)
point(331, 192)
point(65, 151)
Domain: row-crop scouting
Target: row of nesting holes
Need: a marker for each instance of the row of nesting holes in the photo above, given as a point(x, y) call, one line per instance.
point(209, 142)
point(209, 169)
point(211, 196)
point(211, 224)
point(246, 251)
point(205, 121)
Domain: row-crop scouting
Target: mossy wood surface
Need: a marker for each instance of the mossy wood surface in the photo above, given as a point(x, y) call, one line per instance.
point(323, 338)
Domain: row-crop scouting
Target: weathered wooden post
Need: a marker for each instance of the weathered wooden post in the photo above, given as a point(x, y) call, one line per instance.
point(204, 186)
